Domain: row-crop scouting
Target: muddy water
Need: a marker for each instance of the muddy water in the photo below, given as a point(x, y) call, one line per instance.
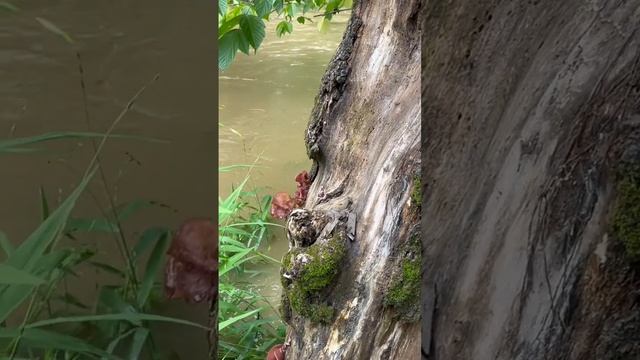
point(265, 103)
point(123, 44)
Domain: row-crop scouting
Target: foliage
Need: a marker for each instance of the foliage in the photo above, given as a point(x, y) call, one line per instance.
point(247, 324)
point(241, 24)
point(33, 277)
point(626, 217)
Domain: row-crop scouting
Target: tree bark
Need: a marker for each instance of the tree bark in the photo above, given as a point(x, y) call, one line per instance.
point(531, 116)
point(364, 135)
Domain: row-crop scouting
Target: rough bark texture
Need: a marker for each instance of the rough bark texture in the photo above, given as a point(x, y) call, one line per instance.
point(366, 128)
point(531, 109)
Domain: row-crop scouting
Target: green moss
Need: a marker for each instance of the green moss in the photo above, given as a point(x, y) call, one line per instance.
point(403, 293)
point(626, 218)
point(416, 192)
point(304, 293)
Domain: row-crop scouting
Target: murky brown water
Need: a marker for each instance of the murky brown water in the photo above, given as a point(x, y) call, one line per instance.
point(123, 45)
point(265, 103)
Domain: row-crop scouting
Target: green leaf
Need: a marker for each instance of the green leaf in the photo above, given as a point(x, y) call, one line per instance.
point(228, 46)
point(284, 27)
point(323, 25)
point(16, 144)
point(55, 29)
point(253, 28)
point(5, 244)
point(31, 251)
point(156, 260)
point(301, 19)
point(11, 275)
point(8, 6)
point(44, 339)
point(291, 9)
point(114, 343)
point(44, 204)
point(130, 317)
point(222, 7)
point(107, 268)
point(149, 237)
point(263, 7)
point(224, 324)
point(346, 4)
point(139, 338)
point(278, 6)
point(72, 300)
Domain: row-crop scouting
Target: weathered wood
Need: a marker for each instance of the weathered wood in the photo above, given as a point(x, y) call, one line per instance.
point(364, 135)
point(528, 108)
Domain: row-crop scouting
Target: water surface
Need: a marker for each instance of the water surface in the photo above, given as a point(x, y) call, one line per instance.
point(265, 103)
point(123, 45)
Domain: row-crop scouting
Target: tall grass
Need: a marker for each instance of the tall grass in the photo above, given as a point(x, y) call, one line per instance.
point(248, 324)
point(33, 276)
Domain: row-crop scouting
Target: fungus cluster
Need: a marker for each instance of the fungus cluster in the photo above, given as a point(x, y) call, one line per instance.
point(191, 272)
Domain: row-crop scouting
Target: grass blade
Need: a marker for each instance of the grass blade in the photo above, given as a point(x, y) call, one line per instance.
point(156, 259)
point(31, 251)
point(45, 339)
point(13, 276)
point(235, 319)
point(130, 317)
point(5, 244)
point(44, 204)
point(139, 338)
point(17, 144)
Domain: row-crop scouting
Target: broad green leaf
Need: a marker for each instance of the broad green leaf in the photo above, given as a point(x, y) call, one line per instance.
point(55, 29)
point(253, 28)
point(263, 7)
point(222, 7)
point(13, 276)
point(224, 324)
point(323, 25)
point(284, 27)
point(278, 6)
point(228, 46)
point(301, 19)
point(346, 4)
point(227, 24)
point(156, 260)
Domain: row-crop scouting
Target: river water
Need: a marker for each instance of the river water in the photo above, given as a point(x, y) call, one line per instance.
point(265, 103)
point(123, 45)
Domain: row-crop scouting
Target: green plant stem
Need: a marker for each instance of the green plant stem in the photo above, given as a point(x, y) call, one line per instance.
point(16, 342)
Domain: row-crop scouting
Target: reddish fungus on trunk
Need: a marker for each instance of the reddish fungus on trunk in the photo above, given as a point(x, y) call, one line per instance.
point(282, 203)
point(277, 352)
point(191, 272)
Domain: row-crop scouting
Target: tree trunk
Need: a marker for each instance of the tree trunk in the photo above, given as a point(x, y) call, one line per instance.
point(530, 161)
point(364, 135)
